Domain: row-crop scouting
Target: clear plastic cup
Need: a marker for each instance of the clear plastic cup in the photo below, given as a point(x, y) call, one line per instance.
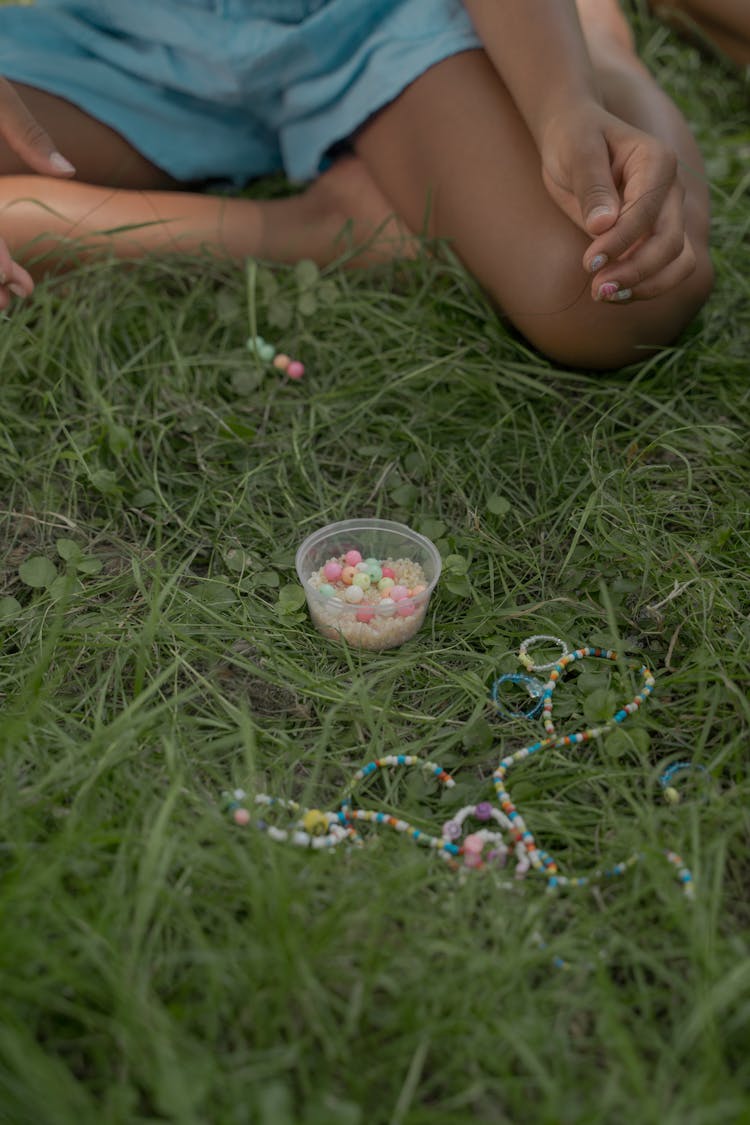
point(367, 626)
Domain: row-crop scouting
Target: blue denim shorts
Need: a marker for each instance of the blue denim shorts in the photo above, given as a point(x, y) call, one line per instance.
point(230, 89)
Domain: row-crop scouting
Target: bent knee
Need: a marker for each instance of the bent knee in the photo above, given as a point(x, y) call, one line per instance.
point(601, 336)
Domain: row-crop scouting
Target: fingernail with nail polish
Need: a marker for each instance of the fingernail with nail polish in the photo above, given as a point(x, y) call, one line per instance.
point(58, 161)
point(622, 295)
point(598, 262)
point(607, 291)
point(19, 292)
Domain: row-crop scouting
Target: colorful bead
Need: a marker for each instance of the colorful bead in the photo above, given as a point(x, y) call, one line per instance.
point(351, 558)
point(347, 575)
point(332, 570)
point(295, 369)
point(365, 615)
point(281, 361)
point(354, 594)
point(388, 572)
point(483, 811)
point(241, 817)
point(315, 822)
point(362, 580)
point(264, 351)
point(397, 593)
point(326, 591)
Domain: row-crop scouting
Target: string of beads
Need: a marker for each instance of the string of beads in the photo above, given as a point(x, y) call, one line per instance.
point(487, 846)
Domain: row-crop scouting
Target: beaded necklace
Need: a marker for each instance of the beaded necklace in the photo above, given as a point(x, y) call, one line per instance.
point(485, 847)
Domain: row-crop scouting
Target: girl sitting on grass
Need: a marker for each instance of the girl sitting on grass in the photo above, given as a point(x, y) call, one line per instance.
point(526, 132)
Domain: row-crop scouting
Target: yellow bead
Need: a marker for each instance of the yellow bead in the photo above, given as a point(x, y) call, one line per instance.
point(314, 822)
point(671, 796)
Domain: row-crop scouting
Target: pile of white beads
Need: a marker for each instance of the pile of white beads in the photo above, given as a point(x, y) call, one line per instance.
point(371, 603)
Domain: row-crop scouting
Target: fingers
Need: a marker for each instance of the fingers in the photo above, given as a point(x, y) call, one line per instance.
point(647, 172)
point(676, 271)
point(15, 281)
point(23, 133)
point(646, 252)
point(594, 188)
point(656, 263)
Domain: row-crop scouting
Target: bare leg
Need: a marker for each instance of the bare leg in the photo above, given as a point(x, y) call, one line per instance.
point(343, 215)
point(47, 221)
point(725, 23)
point(454, 150)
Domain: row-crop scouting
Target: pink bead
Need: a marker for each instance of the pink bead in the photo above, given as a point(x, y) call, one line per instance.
point(295, 370)
point(281, 361)
point(473, 844)
point(389, 573)
point(472, 860)
point(398, 593)
point(241, 817)
point(365, 615)
point(332, 570)
point(404, 609)
point(351, 558)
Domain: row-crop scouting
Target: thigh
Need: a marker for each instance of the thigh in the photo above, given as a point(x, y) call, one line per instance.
point(454, 156)
point(99, 153)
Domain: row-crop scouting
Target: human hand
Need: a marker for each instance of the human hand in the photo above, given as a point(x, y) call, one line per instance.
point(25, 136)
point(621, 187)
point(14, 279)
point(22, 132)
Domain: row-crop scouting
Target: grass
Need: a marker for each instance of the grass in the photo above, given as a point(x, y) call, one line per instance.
point(159, 964)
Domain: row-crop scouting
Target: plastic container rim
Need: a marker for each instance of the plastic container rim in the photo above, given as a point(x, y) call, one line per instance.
point(351, 526)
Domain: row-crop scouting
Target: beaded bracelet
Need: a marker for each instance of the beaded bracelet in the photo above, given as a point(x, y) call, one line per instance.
point(533, 686)
point(672, 795)
point(529, 664)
